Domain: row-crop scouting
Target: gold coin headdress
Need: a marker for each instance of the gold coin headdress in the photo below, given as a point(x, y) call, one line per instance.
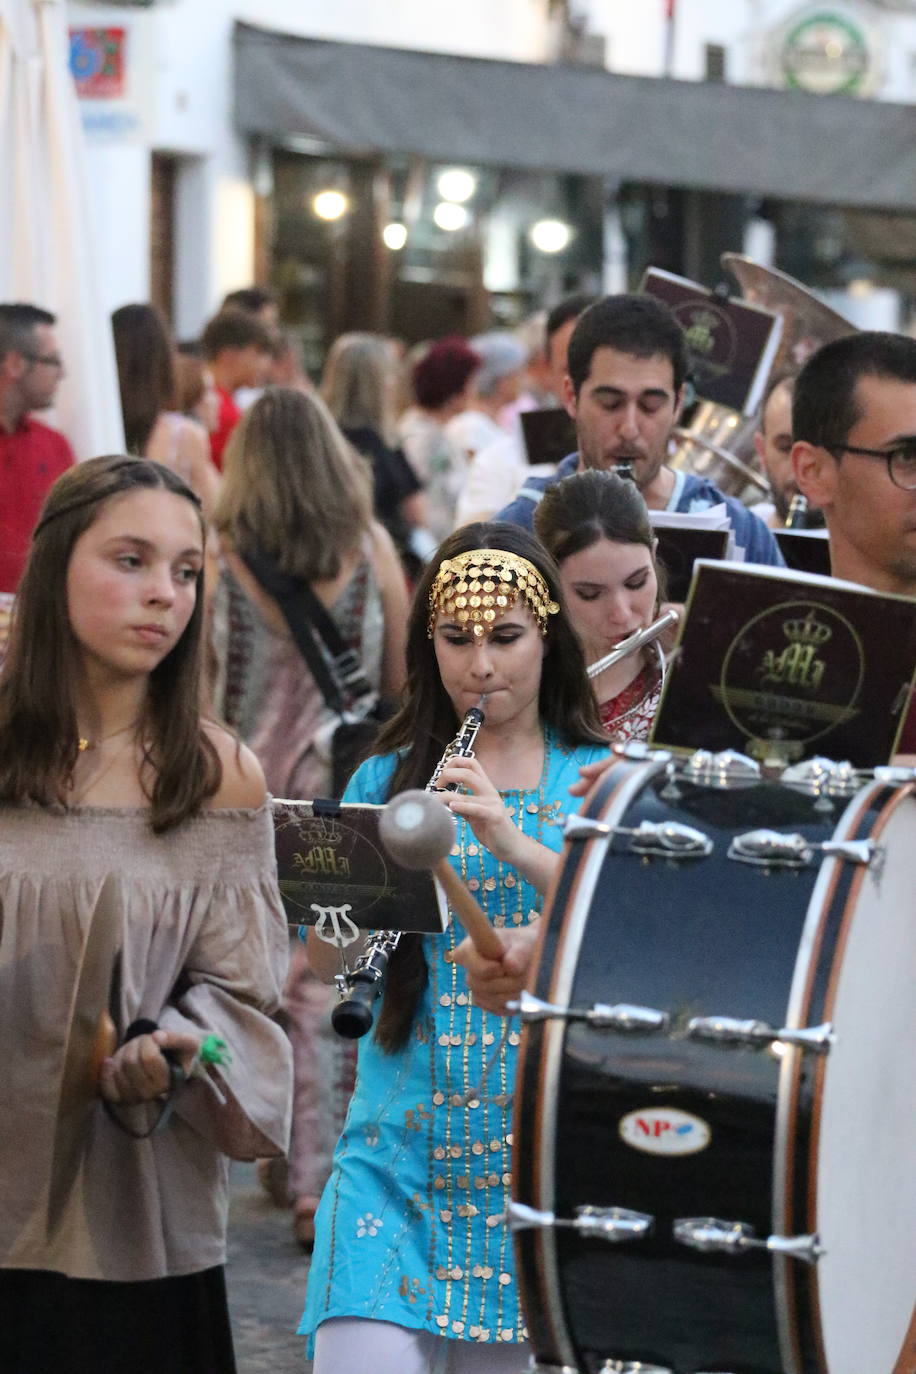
point(477, 587)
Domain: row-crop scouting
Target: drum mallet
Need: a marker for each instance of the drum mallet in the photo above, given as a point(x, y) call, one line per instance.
point(418, 830)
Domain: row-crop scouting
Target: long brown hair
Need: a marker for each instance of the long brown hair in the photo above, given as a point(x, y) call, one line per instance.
point(146, 371)
point(427, 722)
point(293, 486)
point(589, 506)
point(359, 383)
point(38, 727)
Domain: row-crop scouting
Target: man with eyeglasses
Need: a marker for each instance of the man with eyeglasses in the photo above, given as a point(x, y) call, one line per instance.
point(854, 455)
point(32, 455)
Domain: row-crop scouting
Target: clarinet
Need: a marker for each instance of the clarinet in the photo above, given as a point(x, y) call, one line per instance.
point(797, 517)
point(360, 986)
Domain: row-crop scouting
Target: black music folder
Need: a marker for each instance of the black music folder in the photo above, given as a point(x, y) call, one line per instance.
point(549, 435)
point(732, 342)
point(330, 860)
point(677, 551)
point(784, 666)
point(807, 551)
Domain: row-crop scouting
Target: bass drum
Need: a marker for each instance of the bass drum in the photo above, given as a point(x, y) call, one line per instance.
point(715, 1130)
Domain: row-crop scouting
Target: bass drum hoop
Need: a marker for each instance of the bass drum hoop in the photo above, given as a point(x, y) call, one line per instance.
point(796, 1176)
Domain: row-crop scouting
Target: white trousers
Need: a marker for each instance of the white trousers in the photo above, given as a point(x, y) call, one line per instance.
point(349, 1345)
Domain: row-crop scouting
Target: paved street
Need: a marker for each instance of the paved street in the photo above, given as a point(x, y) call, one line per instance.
point(266, 1275)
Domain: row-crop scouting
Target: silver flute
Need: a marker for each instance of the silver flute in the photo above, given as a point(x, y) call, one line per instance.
point(637, 640)
point(359, 987)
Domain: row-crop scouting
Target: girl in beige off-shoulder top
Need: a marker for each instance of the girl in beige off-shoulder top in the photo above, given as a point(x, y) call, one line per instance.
point(112, 1219)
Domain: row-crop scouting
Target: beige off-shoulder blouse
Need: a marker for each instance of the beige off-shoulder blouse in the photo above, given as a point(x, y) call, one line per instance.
point(204, 948)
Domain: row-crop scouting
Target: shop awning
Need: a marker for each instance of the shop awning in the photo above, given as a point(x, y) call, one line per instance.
point(362, 100)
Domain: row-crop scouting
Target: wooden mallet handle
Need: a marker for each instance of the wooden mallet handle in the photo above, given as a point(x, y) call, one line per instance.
point(469, 912)
point(418, 831)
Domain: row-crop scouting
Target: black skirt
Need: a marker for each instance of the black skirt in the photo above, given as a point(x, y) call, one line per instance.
point(50, 1324)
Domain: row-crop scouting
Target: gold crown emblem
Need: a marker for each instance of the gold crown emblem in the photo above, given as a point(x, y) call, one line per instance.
point(807, 631)
point(321, 830)
point(701, 331)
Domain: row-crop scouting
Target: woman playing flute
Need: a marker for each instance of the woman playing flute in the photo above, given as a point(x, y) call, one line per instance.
point(597, 527)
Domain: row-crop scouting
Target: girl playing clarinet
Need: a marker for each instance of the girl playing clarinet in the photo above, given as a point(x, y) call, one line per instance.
point(413, 1269)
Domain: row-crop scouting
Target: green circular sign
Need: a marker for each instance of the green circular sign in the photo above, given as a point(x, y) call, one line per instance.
point(826, 54)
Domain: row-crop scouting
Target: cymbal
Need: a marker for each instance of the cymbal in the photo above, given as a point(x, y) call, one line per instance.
point(91, 1037)
point(807, 322)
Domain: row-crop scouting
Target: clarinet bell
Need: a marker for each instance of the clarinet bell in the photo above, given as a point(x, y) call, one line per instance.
point(353, 1018)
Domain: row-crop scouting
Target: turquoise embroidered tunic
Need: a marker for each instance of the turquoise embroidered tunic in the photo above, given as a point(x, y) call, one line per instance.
point(410, 1228)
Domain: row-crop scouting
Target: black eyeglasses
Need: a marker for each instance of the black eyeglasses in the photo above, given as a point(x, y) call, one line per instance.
point(901, 460)
point(49, 359)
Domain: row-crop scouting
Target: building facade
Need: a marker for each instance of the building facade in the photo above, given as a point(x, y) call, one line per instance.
point(649, 133)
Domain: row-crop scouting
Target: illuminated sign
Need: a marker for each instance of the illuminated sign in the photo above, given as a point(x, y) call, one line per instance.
point(827, 52)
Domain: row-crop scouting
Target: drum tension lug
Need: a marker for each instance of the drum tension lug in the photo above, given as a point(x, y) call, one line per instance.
point(633, 1367)
point(774, 849)
point(629, 1020)
point(712, 1236)
point(662, 839)
point(613, 1224)
point(730, 1031)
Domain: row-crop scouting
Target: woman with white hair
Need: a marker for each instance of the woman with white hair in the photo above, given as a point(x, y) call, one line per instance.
point(497, 385)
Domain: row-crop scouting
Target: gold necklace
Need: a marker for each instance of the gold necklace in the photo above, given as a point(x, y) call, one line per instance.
point(97, 778)
point(83, 743)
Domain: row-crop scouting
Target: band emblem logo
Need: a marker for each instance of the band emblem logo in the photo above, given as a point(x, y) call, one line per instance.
point(791, 674)
point(798, 664)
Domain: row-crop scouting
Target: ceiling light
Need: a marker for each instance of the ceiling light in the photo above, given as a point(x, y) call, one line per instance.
point(550, 235)
point(450, 217)
point(394, 236)
point(457, 185)
point(330, 204)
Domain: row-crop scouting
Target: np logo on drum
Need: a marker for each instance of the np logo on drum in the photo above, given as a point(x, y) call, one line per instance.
point(664, 1131)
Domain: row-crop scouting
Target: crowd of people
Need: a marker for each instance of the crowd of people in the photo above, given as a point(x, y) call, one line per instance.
point(186, 623)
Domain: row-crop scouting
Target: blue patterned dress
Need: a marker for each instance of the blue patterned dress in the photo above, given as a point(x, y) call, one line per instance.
point(410, 1224)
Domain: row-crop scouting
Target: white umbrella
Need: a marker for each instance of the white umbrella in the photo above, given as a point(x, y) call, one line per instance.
point(47, 249)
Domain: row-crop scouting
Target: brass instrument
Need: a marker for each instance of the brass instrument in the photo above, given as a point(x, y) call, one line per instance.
point(637, 640)
point(359, 987)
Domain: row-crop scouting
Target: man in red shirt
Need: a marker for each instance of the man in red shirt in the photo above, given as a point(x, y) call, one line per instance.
point(238, 349)
point(32, 456)
point(854, 425)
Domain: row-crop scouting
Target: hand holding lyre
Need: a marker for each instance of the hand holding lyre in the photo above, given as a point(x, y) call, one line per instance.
point(494, 982)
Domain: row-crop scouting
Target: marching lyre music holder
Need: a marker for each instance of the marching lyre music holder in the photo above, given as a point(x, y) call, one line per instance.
point(335, 874)
point(784, 666)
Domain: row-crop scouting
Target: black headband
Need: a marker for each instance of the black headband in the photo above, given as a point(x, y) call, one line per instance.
point(104, 496)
